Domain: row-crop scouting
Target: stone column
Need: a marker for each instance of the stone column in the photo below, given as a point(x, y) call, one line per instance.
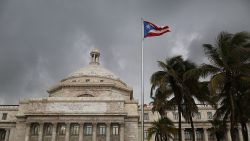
point(122, 132)
point(171, 139)
point(67, 132)
point(195, 136)
point(94, 131)
point(240, 133)
point(81, 131)
point(228, 135)
point(183, 134)
point(205, 134)
point(40, 134)
point(108, 131)
point(27, 132)
point(7, 135)
point(248, 129)
point(54, 132)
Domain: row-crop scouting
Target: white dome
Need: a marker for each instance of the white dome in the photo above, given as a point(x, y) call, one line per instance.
point(92, 75)
point(93, 70)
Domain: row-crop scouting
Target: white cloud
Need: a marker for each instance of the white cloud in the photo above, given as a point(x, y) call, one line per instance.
point(182, 42)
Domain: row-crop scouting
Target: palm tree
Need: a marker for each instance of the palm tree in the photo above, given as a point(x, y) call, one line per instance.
point(163, 129)
point(242, 110)
point(242, 117)
point(160, 102)
point(229, 66)
point(218, 129)
point(171, 77)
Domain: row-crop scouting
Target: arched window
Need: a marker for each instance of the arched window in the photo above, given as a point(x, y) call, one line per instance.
point(61, 130)
point(34, 129)
point(48, 129)
point(85, 95)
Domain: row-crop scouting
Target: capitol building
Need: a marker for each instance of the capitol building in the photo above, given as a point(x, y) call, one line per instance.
point(91, 104)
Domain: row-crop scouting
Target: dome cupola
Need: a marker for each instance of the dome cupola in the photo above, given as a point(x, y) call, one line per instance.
point(95, 54)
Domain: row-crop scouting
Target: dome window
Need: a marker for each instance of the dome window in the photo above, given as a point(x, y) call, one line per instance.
point(85, 95)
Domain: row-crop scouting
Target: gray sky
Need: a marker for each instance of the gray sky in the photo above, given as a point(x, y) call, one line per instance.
point(42, 41)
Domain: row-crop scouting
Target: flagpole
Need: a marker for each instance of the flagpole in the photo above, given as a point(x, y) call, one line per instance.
point(142, 82)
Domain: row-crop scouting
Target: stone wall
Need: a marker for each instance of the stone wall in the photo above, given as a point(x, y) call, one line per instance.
point(20, 131)
point(131, 129)
point(11, 111)
point(59, 105)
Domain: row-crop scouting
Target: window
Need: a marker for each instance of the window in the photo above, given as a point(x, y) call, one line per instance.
point(2, 134)
point(88, 129)
point(187, 135)
point(74, 129)
point(85, 95)
point(34, 129)
point(4, 117)
point(101, 80)
point(199, 135)
point(146, 117)
point(211, 135)
point(61, 129)
point(176, 136)
point(175, 115)
point(102, 130)
point(209, 115)
point(198, 115)
point(87, 80)
point(115, 129)
point(48, 129)
point(145, 134)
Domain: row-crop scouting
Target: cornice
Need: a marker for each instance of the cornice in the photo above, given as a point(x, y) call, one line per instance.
point(64, 84)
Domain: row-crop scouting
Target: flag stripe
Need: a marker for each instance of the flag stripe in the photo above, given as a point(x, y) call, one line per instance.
point(159, 31)
point(151, 34)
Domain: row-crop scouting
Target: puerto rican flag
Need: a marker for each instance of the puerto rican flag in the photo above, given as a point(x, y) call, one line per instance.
point(151, 30)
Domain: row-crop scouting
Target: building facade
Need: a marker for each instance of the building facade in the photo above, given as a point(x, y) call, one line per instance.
point(91, 104)
point(203, 127)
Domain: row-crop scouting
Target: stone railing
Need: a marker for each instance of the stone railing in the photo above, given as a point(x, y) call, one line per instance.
point(9, 107)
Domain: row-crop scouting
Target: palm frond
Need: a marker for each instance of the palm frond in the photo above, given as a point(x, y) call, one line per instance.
point(203, 71)
point(240, 38)
point(213, 55)
point(157, 77)
point(216, 82)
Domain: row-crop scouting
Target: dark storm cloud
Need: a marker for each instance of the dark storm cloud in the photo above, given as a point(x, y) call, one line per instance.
point(42, 42)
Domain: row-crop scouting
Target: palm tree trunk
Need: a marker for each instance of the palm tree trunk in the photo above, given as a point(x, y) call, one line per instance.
point(165, 137)
point(244, 131)
point(232, 117)
point(192, 126)
point(217, 136)
point(232, 108)
point(161, 137)
point(179, 124)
